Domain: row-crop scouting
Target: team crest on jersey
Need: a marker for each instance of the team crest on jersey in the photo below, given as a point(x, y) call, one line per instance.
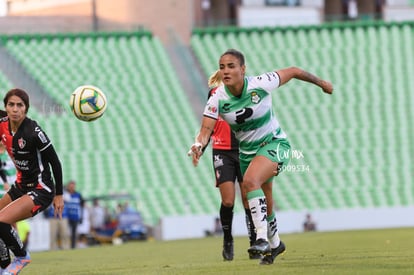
point(255, 98)
point(21, 142)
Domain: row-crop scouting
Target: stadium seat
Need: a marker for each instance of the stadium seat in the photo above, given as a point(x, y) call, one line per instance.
point(349, 140)
point(5, 84)
point(136, 142)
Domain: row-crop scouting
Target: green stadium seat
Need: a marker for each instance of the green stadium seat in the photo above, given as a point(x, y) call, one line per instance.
point(134, 144)
point(141, 142)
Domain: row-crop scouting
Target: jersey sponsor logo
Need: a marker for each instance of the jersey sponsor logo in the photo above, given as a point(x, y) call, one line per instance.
point(21, 142)
point(226, 107)
point(42, 137)
point(22, 164)
point(243, 114)
point(255, 98)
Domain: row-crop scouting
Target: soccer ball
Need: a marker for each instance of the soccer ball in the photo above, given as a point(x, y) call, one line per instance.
point(88, 103)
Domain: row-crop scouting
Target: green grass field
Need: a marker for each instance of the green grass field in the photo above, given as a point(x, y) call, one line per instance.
point(388, 251)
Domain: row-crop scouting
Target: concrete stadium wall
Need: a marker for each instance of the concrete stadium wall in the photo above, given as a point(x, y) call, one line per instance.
point(399, 14)
point(124, 15)
point(174, 17)
point(171, 228)
point(279, 16)
point(194, 226)
point(78, 8)
point(45, 24)
point(39, 238)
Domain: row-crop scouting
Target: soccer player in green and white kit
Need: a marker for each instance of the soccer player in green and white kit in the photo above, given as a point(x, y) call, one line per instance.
point(245, 102)
point(7, 169)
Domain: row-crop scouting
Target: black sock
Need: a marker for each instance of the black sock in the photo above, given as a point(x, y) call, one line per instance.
point(226, 218)
point(250, 226)
point(9, 236)
point(4, 255)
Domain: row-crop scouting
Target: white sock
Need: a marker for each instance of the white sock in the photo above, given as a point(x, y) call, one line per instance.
point(272, 233)
point(258, 208)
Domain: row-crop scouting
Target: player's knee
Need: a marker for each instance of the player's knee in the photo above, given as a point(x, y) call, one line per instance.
point(227, 202)
point(249, 184)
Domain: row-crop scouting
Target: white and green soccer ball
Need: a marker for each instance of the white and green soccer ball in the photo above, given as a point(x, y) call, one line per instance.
point(88, 102)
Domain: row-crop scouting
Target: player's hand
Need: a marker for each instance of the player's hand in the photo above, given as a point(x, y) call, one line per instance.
point(327, 87)
point(58, 205)
point(195, 152)
point(195, 159)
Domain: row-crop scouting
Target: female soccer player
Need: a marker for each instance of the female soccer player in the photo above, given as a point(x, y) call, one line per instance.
point(34, 189)
point(245, 103)
point(227, 170)
point(7, 169)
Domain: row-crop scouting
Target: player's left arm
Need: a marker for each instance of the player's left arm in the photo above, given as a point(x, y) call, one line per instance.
point(287, 74)
point(50, 155)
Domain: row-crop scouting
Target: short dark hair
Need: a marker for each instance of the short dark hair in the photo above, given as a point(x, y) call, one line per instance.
point(238, 54)
point(20, 93)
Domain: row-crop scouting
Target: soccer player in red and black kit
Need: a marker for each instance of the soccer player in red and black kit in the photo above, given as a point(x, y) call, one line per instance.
point(227, 171)
point(34, 190)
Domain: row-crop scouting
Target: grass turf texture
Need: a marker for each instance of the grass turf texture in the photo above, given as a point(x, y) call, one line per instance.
point(388, 251)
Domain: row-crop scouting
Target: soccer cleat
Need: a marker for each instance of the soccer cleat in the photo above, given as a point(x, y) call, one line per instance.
point(228, 251)
point(269, 259)
point(252, 256)
point(261, 247)
point(17, 264)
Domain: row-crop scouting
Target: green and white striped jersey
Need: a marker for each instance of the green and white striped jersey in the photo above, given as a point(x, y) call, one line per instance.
point(251, 115)
point(7, 169)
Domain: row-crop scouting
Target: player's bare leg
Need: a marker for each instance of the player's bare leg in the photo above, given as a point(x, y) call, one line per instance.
point(259, 171)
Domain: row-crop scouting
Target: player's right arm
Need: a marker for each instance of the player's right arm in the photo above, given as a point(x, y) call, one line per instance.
point(211, 113)
point(202, 139)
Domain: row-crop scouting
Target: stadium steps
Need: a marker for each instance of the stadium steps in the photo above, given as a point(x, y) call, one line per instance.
point(5, 83)
point(139, 146)
point(357, 144)
point(18, 77)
